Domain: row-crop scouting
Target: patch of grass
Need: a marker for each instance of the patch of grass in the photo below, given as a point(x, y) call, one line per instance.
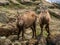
point(55, 15)
point(18, 0)
point(45, 33)
point(39, 30)
point(15, 6)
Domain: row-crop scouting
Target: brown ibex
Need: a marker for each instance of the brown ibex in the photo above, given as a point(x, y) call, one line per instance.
point(28, 19)
point(44, 19)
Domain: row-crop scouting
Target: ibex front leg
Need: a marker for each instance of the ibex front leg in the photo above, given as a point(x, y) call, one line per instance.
point(41, 26)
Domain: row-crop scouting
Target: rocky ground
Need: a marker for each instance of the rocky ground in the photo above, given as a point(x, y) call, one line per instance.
point(8, 13)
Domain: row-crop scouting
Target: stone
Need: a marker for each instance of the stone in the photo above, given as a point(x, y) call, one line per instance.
point(4, 2)
point(25, 1)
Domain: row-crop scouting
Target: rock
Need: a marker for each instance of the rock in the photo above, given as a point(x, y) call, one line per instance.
point(53, 40)
point(7, 42)
point(12, 20)
point(41, 40)
point(37, 9)
point(25, 1)
point(4, 32)
point(28, 36)
point(12, 37)
point(38, 41)
point(4, 2)
point(7, 32)
point(3, 18)
point(17, 43)
point(32, 42)
point(2, 40)
point(14, 1)
point(3, 37)
point(28, 31)
point(23, 42)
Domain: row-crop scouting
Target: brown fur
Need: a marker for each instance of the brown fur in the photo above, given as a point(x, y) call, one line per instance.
point(28, 19)
point(44, 19)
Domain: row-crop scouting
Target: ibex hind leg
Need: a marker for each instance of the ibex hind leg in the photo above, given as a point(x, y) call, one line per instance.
point(33, 27)
point(47, 29)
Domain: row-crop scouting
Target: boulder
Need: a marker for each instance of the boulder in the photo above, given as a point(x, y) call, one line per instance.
point(14, 1)
point(25, 1)
point(3, 18)
point(4, 2)
point(5, 41)
point(2, 40)
point(13, 37)
point(39, 41)
point(53, 40)
point(17, 43)
point(32, 42)
point(7, 32)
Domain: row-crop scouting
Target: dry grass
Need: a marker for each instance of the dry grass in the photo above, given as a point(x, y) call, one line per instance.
point(54, 25)
point(11, 13)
